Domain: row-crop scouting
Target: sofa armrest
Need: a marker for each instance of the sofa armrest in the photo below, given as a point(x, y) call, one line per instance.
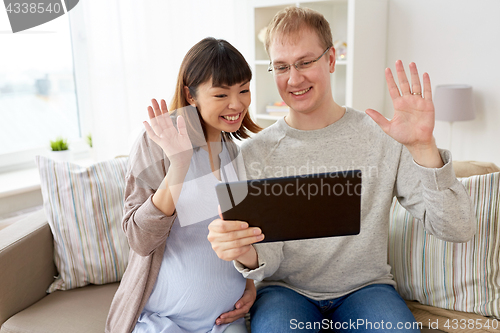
point(27, 264)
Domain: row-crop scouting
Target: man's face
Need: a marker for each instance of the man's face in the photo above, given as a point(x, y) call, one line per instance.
point(308, 90)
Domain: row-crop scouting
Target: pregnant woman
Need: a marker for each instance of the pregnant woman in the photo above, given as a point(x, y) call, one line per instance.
point(174, 281)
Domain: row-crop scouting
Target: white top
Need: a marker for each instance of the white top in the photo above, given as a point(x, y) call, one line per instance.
point(194, 286)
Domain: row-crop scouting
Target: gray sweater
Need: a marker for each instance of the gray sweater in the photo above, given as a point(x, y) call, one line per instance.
point(328, 268)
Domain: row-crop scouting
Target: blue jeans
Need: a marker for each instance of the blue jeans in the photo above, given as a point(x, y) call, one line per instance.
point(374, 308)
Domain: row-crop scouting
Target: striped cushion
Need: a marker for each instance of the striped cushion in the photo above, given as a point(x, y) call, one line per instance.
point(455, 276)
point(84, 207)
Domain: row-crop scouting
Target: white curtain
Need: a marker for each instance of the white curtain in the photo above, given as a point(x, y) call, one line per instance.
point(129, 51)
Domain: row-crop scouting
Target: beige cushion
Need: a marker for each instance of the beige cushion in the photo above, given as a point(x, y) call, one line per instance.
point(81, 310)
point(84, 208)
point(442, 320)
point(471, 168)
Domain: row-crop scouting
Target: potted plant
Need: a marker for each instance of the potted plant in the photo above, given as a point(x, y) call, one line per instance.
point(90, 143)
point(59, 149)
point(88, 138)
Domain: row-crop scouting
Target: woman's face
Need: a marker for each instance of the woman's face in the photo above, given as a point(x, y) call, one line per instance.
point(222, 108)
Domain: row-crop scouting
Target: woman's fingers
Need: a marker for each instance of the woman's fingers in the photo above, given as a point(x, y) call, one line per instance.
point(233, 315)
point(162, 115)
point(181, 125)
point(164, 108)
point(151, 133)
point(156, 107)
point(160, 118)
point(151, 113)
point(154, 120)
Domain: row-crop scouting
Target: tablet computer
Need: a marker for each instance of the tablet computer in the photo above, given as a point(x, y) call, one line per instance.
point(297, 207)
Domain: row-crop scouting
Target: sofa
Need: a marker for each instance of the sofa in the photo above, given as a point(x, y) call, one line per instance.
point(27, 269)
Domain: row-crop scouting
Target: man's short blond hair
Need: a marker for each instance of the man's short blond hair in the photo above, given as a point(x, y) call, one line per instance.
point(290, 21)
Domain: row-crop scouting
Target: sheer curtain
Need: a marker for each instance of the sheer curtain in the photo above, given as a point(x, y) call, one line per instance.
point(129, 51)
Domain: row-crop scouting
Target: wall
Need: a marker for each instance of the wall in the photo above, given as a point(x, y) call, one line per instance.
point(128, 52)
point(456, 42)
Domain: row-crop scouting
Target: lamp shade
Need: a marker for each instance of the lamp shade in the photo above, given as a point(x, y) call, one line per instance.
point(454, 102)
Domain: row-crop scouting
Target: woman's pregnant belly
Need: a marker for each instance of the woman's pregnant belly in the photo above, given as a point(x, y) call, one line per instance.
point(194, 286)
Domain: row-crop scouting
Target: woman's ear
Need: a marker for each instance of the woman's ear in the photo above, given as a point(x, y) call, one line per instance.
point(189, 98)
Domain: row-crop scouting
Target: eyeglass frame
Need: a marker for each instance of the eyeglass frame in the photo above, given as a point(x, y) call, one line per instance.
point(270, 68)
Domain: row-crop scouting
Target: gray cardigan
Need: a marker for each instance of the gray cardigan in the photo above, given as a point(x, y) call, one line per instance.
point(147, 230)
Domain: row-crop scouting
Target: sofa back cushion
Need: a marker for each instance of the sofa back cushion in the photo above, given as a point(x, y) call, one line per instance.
point(84, 208)
point(456, 276)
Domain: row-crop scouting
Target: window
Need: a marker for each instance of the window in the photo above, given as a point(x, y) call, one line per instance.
point(38, 99)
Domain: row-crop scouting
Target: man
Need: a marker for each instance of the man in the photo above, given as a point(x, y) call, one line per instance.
point(341, 283)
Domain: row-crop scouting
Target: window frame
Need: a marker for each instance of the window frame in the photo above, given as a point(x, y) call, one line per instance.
point(25, 159)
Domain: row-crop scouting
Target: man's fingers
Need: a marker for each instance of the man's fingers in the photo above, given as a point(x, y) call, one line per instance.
point(404, 85)
point(222, 226)
point(232, 253)
point(415, 80)
point(427, 87)
point(231, 239)
point(235, 235)
point(226, 242)
point(379, 119)
point(391, 84)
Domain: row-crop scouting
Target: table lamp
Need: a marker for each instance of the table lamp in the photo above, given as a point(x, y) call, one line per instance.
point(453, 102)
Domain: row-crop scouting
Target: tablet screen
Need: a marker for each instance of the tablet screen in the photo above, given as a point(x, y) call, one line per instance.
point(297, 207)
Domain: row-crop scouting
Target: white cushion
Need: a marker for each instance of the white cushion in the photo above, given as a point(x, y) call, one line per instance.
point(456, 276)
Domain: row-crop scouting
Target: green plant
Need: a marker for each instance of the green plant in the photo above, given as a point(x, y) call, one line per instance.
point(59, 144)
point(88, 138)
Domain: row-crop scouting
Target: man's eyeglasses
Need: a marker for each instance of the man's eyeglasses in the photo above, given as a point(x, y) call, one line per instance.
point(300, 65)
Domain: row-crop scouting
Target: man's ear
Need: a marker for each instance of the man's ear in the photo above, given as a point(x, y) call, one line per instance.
point(189, 97)
point(331, 59)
